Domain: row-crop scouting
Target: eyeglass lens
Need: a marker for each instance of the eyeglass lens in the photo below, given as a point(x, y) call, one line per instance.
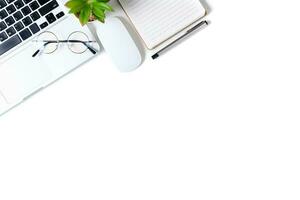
point(50, 42)
point(76, 42)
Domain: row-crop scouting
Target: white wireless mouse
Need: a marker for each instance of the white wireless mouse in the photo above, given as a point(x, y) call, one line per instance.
point(119, 45)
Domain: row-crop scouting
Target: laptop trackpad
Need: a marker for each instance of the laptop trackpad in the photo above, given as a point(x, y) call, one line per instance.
point(22, 75)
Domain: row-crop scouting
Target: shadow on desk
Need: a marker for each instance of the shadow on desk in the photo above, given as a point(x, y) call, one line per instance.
point(206, 6)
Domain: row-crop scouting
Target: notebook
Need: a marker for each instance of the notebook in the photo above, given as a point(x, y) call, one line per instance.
point(158, 20)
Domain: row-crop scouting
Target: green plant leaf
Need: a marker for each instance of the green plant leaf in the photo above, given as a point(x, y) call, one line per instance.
point(105, 1)
point(101, 19)
point(98, 11)
point(75, 3)
point(76, 10)
point(85, 15)
point(103, 6)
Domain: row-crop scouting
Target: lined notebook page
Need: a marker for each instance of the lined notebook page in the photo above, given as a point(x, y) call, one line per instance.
point(158, 20)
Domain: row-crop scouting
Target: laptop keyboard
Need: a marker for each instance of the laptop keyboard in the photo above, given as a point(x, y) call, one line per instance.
point(21, 19)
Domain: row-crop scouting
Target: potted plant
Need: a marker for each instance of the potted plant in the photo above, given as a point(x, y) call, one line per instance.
point(89, 10)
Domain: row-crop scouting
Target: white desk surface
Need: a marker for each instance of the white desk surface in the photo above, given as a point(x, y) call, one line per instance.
point(217, 117)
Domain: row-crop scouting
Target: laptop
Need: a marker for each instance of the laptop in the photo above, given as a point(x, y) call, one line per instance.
point(25, 66)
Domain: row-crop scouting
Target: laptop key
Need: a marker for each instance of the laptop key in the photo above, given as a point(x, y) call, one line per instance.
point(43, 25)
point(9, 21)
point(3, 36)
point(59, 15)
point(35, 16)
point(3, 14)
point(2, 3)
point(19, 4)
point(34, 5)
point(10, 1)
point(10, 9)
point(34, 28)
point(10, 31)
point(26, 10)
point(19, 26)
point(27, 21)
point(18, 15)
point(25, 34)
point(48, 7)
point(27, 1)
point(50, 18)
point(42, 2)
point(9, 44)
point(2, 26)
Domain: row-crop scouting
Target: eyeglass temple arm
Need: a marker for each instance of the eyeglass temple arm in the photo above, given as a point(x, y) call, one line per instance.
point(40, 49)
point(90, 48)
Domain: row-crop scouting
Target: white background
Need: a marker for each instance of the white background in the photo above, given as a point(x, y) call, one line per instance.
point(215, 118)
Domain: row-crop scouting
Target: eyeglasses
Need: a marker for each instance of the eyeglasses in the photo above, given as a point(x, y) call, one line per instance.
point(77, 42)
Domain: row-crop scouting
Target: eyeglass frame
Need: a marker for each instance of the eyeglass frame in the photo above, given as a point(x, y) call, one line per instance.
point(47, 42)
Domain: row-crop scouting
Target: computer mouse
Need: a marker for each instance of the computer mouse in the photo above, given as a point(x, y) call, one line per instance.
point(119, 44)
